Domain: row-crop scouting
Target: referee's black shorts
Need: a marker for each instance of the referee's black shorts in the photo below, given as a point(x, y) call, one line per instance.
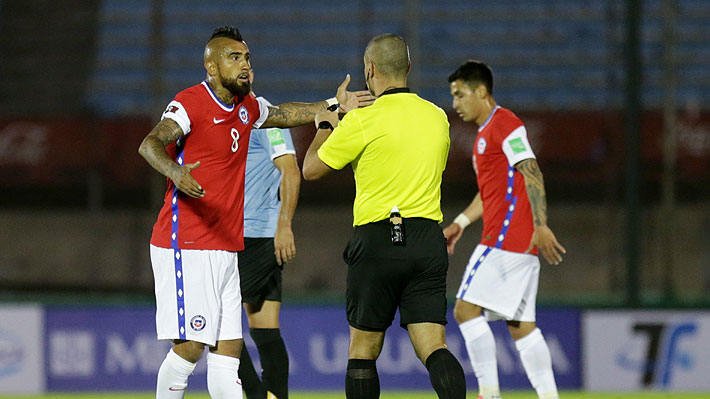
point(259, 273)
point(382, 277)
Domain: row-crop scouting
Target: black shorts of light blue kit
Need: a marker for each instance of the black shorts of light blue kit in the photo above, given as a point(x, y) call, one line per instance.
point(382, 277)
point(259, 273)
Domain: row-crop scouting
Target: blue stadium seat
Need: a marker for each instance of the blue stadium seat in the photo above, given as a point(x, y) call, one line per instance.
point(545, 53)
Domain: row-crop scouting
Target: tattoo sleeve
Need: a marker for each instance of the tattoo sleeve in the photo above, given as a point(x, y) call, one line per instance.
point(535, 187)
point(153, 146)
point(293, 114)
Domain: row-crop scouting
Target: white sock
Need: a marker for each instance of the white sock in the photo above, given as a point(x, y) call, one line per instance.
point(222, 377)
point(535, 355)
point(481, 348)
point(172, 377)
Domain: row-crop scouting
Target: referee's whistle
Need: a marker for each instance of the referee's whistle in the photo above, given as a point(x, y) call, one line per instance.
point(396, 227)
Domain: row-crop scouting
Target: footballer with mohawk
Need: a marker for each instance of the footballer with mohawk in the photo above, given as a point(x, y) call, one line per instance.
point(200, 146)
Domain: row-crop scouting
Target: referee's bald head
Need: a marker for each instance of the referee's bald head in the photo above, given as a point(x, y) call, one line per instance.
point(390, 55)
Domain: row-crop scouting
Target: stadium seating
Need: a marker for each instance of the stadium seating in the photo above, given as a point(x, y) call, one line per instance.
point(546, 54)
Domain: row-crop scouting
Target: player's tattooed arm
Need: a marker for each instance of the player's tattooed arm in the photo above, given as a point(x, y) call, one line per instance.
point(293, 114)
point(543, 238)
point(535, 188)
point(153, 150)
point(296, 114)
point(153, 146)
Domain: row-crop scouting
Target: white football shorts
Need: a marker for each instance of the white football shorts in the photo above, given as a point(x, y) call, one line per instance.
point(502, 282)
point(197, 295)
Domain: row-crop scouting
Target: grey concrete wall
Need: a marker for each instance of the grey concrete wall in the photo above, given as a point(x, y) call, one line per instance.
point(110, 250)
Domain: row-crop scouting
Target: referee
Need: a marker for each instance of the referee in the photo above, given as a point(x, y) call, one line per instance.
point(397, 256)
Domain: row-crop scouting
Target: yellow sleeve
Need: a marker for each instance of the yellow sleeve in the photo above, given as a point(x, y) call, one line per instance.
point(344, 144)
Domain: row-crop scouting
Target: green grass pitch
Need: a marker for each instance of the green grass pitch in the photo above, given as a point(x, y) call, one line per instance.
point(393, 395)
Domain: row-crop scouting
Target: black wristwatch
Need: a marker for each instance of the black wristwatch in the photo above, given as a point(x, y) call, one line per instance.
point(325, 125)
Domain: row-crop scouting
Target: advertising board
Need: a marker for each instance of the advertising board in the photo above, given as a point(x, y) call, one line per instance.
point(116, 349)
point(21, 355)
point(632, 350)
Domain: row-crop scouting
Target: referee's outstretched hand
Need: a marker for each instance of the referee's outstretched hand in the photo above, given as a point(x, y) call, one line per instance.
point(186, 183)
point(545, 240)
point(349, 100)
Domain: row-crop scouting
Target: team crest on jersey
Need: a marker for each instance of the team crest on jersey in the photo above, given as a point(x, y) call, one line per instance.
point(481, 146)
point(198, 323)
point(243, 115)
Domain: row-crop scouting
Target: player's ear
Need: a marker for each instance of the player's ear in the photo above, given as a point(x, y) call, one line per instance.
point(211, 68)
point(481, 91)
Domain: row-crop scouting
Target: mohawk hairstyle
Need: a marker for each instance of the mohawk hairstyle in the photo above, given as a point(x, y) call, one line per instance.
point(473, 73)
point(227, 31)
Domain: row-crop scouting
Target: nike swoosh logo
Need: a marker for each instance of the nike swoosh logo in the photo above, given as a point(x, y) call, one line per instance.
point(216, 121)
point(177, 389)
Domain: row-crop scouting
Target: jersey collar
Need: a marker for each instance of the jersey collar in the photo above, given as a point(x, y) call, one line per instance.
point(225, 107)
point(395, 90)
point(489, 118)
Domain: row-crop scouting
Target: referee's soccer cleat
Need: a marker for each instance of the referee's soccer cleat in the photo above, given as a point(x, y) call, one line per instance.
point(489, 397)
point(270, 395)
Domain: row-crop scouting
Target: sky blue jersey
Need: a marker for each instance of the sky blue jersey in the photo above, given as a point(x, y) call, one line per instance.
point(262, 180)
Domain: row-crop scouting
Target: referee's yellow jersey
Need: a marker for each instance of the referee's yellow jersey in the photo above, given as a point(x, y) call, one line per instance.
point(398, 148)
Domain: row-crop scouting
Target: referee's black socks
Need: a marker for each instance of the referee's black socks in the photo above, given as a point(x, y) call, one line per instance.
point(274, 360)
point(251, 383)
point(361, 380)
point(446, 375)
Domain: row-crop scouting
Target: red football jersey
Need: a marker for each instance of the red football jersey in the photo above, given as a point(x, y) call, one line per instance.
point(507, 218)
point(217, 135)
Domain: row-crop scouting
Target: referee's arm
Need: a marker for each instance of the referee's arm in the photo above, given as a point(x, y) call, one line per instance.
point(313, 167)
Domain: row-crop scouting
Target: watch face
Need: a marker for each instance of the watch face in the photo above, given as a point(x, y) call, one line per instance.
point(325, 125)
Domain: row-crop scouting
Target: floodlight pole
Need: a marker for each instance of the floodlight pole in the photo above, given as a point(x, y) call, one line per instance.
point(670, 143)
point(632, 140)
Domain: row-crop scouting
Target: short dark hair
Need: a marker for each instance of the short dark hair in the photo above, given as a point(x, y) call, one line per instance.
point(474, 73)
point(227, 31)
point(390, 54)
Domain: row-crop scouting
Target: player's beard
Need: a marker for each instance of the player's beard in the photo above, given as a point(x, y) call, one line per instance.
point(234, 87)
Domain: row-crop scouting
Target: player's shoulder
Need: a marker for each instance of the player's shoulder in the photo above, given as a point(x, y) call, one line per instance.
point(267, 136)
point(266, 131)
point(258, 132)
point(277, 132)
point(504, 115)
point(505, 121)
point(193, 95)
point(257, 139)
point(198, 90)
